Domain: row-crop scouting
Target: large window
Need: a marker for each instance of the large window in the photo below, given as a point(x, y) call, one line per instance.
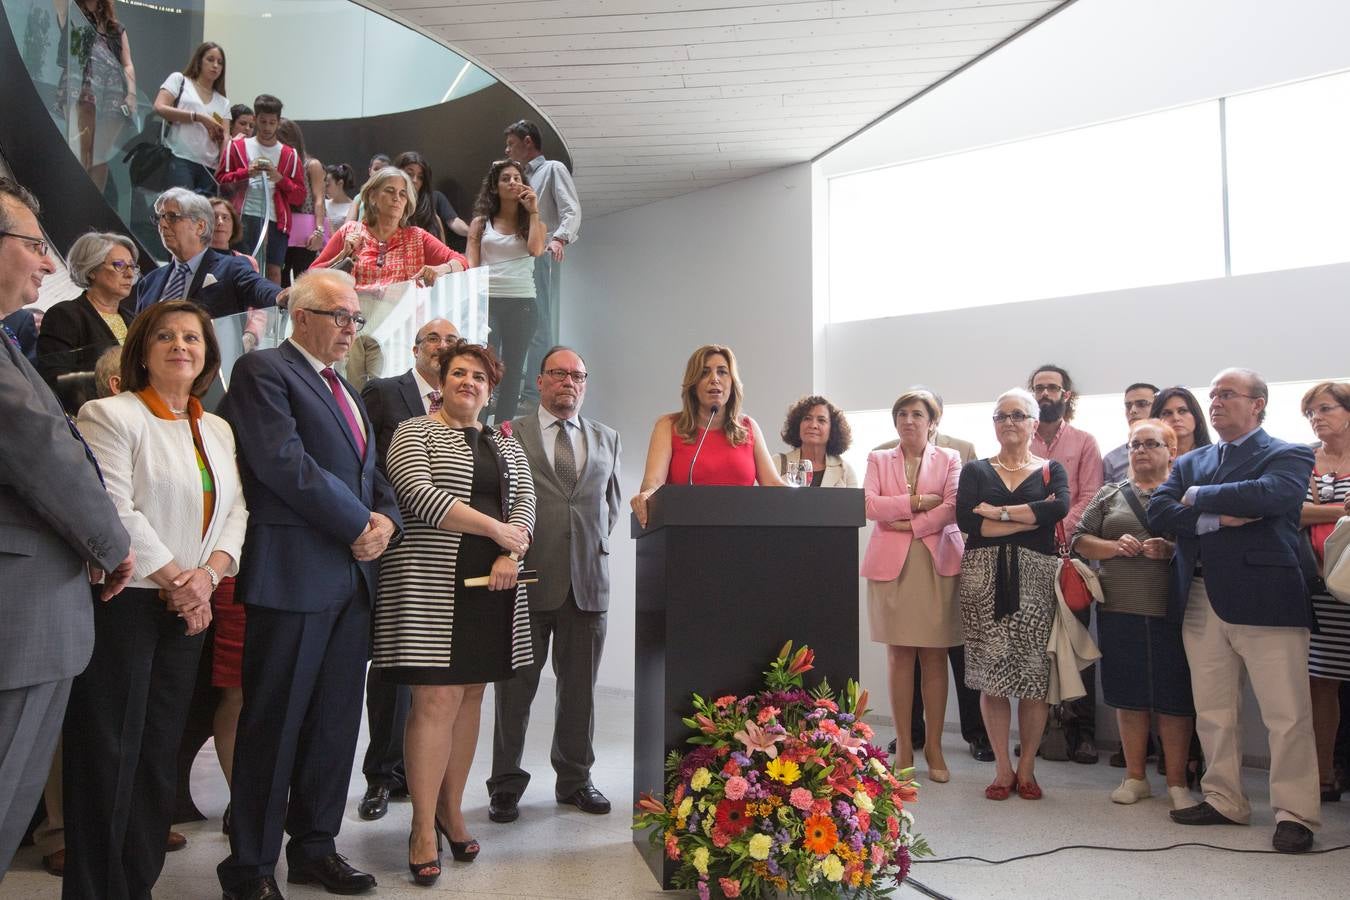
point(1248, 184)
point(1289, 175)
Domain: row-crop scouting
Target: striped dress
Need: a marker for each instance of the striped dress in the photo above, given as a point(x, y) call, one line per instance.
point(1329, 650)
point(431, 468)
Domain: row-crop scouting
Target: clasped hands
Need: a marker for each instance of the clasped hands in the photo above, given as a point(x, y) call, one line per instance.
point(189, 595)
point(375, 539)
point(1153, 548)
point(505, 570)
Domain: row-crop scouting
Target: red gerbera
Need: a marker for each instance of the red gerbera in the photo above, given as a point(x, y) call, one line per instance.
point(731, 817)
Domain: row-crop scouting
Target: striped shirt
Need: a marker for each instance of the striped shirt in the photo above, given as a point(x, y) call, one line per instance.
point(431, 468)
point(1130, 584)
point(1329, 648)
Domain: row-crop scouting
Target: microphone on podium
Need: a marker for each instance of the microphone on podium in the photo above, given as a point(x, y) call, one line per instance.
point(711, 415)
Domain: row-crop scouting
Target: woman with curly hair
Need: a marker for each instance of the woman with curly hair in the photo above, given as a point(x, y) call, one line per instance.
point(506, 235)
point(818, 432)
point(708, 441)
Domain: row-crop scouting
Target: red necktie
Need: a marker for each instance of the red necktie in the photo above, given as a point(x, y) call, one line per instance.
point(340, 396)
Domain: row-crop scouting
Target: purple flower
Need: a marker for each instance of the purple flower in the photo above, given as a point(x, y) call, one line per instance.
point(699, 757)
point(855, 841)
point(902, 861)
point(845, 717)
point(843, 809)
point(703, 889)
point(774, 868)
point(740, 758)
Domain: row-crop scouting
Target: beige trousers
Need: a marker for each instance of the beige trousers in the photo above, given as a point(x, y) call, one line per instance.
point(1275, 659)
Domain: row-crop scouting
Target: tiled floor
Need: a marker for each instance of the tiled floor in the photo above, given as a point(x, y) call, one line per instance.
point(558, 853)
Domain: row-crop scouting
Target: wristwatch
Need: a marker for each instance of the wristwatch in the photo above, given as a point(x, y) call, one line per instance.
point(1003, 514)
point(513, 556)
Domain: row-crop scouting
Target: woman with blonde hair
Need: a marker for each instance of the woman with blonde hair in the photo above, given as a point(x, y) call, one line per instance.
point(709, 441)
point(911, 564)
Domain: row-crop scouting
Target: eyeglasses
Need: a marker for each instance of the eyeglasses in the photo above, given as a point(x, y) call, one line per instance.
point(434, 338)
point(341, 318)
point(1225, 396)
point(38, 244)
point(1016, 417)
point(125, 267)
point(1050, 389)
point(172, 218)
point(1136, 446)
point(1323, 410)
point(564, 374)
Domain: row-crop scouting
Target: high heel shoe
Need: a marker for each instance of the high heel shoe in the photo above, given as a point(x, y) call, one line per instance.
point(937, 774)
point(462, 851)
point(420, 877)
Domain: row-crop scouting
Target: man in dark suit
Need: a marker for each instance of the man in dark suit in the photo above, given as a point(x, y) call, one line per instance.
point(24, 325)
point(218, 281)
point(575, 462)
point(390, 402)
point(56, 522)
point(320, 515)
point(1242, 600)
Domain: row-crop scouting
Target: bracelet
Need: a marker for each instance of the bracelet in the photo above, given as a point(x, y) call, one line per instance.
point(211, 573)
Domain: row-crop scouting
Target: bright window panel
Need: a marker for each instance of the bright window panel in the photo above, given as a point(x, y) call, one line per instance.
point(1119, 205)
point(1288, 182)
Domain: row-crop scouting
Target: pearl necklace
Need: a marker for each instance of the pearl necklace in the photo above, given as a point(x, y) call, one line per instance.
point(997, 463)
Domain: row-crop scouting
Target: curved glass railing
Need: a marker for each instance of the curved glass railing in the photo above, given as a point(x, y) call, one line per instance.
point(384, 347)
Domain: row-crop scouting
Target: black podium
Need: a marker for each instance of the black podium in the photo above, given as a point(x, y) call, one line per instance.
point(725, 575)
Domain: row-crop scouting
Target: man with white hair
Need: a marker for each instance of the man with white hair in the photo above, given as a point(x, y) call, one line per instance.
point(218, 281)
point(56, 522)
point(1241, 598)
point(320, 516)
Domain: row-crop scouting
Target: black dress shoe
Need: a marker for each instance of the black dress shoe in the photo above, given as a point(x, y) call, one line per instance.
point(503, 807)
point(375, 803)
point(1200, 814)
point(1118, 759)
point(333, 872)
point(588, 800)
point(1085, 753)
point(981, 751)
point(398, 791)
point(257, 889)
point(1292, 837)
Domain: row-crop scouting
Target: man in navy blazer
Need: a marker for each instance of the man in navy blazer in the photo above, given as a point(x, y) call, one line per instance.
point(320, 515)
point(218, 281)
point(391, 402)
point(1242, 600)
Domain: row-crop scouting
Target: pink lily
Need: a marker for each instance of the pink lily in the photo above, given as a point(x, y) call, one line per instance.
point(756, 738)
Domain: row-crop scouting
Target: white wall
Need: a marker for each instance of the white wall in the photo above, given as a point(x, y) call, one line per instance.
point(645, 287)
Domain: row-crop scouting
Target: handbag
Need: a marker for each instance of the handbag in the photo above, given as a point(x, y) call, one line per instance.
point(148, 163)
point(1336, 561)
point(1071, 583)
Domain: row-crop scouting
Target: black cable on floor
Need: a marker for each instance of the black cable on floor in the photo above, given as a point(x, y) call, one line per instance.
point(999, 862)
point(925, 889)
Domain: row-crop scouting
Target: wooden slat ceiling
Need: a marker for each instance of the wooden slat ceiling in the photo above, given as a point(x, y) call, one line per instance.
point(657, 98)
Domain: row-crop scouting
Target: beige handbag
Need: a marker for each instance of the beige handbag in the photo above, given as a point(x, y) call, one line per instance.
point(1336, 561)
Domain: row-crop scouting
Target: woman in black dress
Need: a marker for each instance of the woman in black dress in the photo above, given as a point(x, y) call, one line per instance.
point(467, 500)
point(1007, 506)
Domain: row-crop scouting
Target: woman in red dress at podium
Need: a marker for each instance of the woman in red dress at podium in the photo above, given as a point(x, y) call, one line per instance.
point(732, 450)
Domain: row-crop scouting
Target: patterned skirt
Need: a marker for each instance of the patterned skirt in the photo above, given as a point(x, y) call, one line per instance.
point(1006, 657)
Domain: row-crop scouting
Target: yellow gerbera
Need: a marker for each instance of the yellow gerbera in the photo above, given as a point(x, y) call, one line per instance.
point(784, 770)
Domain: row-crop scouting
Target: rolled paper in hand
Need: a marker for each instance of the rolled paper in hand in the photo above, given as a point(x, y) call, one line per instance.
point(527, 576)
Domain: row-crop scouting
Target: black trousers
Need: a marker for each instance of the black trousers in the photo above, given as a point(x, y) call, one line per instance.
point(387, 708)
point(578, 638)
point(967, 702)
point(123, 725)
point(512, 322)
point(1080, 716)
point(303, 674)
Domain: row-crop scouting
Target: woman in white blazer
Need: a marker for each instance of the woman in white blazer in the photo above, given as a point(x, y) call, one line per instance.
point(170, 470)
point(816, 430)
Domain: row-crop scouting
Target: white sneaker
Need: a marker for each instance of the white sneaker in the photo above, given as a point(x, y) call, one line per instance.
point(1181, 797)
point(1132, 790)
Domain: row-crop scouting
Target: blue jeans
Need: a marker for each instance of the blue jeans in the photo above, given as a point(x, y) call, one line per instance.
point(193, 176)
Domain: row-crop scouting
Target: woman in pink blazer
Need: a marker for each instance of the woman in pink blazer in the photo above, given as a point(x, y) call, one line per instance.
point(911, 584)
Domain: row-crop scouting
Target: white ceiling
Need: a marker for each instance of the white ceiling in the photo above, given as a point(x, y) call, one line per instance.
point(657, 98)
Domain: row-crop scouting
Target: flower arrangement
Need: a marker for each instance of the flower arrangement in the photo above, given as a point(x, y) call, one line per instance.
point(784, 792)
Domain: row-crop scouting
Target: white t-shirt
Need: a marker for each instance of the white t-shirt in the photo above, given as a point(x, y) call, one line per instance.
point(511, 267)
point(254, 204)
point(190, 140)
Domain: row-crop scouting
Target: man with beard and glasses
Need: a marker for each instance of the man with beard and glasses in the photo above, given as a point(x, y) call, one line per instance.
point(1077, 452)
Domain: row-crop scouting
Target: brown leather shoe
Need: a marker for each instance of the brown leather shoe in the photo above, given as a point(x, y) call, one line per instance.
point(55, 863)
point(177, 841)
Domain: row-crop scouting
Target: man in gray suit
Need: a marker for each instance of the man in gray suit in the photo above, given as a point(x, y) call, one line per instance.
point(56, 525)
point(576, 479)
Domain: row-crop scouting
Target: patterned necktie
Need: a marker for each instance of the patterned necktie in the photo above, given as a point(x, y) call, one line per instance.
point(340, 396)
point(176, 286)
point(564, 458)
point(1223, 453)
point(435, 407)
